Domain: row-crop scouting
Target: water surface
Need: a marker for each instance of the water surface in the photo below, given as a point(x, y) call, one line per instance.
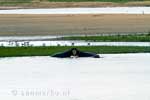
point(70, 43)
point(98, 10)
point(114, 77)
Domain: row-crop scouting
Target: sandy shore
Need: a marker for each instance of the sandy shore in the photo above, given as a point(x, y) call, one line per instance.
point(73, 24)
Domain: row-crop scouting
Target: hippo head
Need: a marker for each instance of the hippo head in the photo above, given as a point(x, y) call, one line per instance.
point(74, 52)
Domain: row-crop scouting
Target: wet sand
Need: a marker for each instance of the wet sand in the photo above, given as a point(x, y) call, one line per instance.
point(73, 24)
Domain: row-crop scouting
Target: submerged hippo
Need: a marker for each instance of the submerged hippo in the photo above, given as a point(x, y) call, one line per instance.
point(75, 53)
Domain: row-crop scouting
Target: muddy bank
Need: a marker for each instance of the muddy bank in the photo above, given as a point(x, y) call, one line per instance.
point(23, 25)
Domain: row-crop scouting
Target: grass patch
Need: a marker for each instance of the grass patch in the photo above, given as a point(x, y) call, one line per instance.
point(14, 2)
point(112, 38)
point(47, 3)
point(48, 51)
point(119, 1)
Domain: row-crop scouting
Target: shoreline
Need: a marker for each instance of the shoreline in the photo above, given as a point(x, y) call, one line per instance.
point(85, 37)
point(110, 38)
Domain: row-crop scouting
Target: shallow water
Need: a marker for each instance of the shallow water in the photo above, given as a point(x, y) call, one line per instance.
point(102, 10)
point(113, 77)
point(27, 38)
point(70, 43)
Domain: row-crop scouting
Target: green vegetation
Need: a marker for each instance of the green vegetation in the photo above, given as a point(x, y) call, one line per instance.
point(14, 2)
point(47, 3)
point(95, 0)
point(47, 51)
point(112, 38)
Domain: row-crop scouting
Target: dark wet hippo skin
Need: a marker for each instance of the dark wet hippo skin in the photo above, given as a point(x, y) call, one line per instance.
point(75, 53)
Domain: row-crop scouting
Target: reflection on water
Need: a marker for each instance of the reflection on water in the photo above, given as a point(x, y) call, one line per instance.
point(114, 77)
